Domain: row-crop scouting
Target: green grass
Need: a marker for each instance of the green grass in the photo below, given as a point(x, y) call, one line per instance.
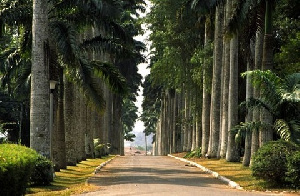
point(71, 180)
point(237, 173)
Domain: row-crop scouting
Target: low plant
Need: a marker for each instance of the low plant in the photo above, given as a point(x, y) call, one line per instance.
point(43, 171)
point(270, 162)
point(16, 165)
point(293, 166)
point(194, 153)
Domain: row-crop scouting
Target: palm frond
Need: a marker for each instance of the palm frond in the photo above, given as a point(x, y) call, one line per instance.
point(283, 129)
point(253, 103)
point(111, 76)
point(100, 43)
point(201, 6)
point(82, 76)
point(268, 83)
point(291, 90)
point(289, 131)
point(66, 41)
point(250, 126)
point(241, 129)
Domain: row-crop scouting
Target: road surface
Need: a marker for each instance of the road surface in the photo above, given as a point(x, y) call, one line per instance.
point(155, 175)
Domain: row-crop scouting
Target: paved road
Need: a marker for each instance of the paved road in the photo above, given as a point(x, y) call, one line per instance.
point(163, 176)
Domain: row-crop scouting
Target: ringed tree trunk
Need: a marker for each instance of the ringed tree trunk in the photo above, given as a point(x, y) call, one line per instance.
point(82, 125)
point(266, 117)
point(216, 84)
point(59, 154)
point(249, 116)
point(71, 141)
point(206, 94)
point(40, 92)
point(117, 126)
point(225, 86)
point(256, 92)
point(107, 118)
point(232, 154)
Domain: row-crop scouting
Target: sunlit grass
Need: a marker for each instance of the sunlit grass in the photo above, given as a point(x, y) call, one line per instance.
point(235, 172)
point(71, 180)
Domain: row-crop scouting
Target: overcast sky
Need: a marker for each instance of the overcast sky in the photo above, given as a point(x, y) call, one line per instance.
point(139, 125)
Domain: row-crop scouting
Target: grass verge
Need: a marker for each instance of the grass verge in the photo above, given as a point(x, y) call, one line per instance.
point(237, 173)
point(71, 180)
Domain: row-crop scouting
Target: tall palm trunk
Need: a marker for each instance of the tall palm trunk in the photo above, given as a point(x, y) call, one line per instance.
point(188, 121)
point(225, 87)
point(173, 120)
point(266, 117)
point(116, 130)
point(71, 141)
point(40, 97)
point(107, 118)
point(89, 146)
point(256, 92)
point(82, 124)
point(249, 117)
point(206, 94)
point(216, 84)
point(59, 154)
point(232, 154)
point(78, 132)
point(178, 125)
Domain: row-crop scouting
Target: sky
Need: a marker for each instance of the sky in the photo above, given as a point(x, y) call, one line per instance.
point(143, 70)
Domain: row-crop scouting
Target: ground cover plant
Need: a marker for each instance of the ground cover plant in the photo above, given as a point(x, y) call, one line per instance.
point(235, 171)
point(71, 180)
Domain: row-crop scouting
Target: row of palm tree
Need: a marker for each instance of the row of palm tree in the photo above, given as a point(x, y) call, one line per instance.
point(200, 48)
point(88, 48)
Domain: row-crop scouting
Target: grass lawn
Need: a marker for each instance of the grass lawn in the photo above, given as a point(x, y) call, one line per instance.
point(235, 172)
point(71, 180)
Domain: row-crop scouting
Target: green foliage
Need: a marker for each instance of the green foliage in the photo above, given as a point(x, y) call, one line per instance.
point(281, 97)
point(16, 165)
point(43, 171)
point(289, 59)
point(129, 116)
point(194, 153)
point(150, 105)
point(99, 147)
point(293, 174)
point(67, 24)
point(287, 39)
point(203, 58)
point(140, 148)
point(270, 162)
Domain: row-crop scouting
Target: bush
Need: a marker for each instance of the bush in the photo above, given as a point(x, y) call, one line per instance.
point(194, 153)
point(293, 166)
point(43, 171)
point(270, 161)
point(16, 166)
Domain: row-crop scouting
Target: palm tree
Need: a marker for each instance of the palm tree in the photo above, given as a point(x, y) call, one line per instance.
point(64, 32)
point(39, 102)
point(205, 8)
point(281, 98)
point(216, 83)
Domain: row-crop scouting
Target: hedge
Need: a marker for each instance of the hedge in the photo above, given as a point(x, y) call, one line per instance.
point(271, 162)
point(16, 166)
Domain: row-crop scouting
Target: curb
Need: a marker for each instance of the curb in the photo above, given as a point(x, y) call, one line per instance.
point(97, 170)
point(229, 182)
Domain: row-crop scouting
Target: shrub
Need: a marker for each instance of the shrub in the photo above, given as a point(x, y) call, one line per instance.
point(270, 161)
point(16, 166)
point(194, 153)
point(43, 171)
point(293, 166)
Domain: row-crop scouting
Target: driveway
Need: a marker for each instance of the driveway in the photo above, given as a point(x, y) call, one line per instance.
point(155, 175)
